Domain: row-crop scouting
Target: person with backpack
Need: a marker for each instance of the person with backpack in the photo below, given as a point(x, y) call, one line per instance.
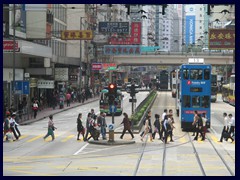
point(127, 125)
point(80, 127)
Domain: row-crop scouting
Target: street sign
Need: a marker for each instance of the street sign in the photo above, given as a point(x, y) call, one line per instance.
point(111, 126)
point(132, 100)
point(25, 87)
point(113, 27)
point(112, 109)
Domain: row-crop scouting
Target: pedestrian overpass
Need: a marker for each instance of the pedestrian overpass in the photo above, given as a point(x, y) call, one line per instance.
point(173, 58)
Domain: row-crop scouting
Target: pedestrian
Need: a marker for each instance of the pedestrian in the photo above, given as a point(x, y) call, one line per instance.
point(6, 125)
point(232, 125)
point(161, 124)
point(88, 124)
point(199, 127)
point(80, 127)
point(147, 128)
point(225, 127)
point(13, 126)
point(51, 128)
point(101, 121)
point(166, 127)
point(157, 126)
point(170, 122)
point(126, 125)
point(35, 109)
point(194, 124)
point(93, 115)
point(149, 114)
point(204, 119)
point(68, 97)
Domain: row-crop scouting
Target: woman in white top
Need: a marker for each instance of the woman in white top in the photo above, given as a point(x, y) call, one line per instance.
point(147, 129)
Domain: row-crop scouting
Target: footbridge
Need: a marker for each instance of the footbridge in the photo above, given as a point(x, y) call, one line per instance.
point(173, 58)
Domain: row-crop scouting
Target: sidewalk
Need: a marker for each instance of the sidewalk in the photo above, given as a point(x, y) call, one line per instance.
point(50, 111)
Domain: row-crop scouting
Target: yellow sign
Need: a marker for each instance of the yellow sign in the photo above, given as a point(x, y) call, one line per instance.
point(77, 35)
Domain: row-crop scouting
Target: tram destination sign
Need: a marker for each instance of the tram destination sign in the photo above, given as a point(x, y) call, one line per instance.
point(114, 27)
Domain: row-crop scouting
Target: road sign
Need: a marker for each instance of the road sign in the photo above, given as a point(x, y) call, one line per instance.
point(132, 100)
point(111, 126)
point(112, 109)
point(25, 87)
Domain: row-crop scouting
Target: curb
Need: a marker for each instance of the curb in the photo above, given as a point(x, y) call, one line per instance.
point(62, 110)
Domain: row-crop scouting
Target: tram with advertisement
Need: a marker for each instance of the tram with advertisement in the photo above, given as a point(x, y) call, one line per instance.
point(228, 91)
point(194, 91)
point(104, 103)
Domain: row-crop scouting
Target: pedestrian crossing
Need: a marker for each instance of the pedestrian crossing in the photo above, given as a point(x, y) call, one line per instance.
point(28, 138)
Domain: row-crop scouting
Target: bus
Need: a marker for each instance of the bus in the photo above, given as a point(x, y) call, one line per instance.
point(195, 93)
point(104, 104)
point(214, 88)
point(163, 80)
point(173, 83)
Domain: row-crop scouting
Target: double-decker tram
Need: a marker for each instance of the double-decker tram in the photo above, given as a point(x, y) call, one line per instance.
point(173, 83)
point(214, 88)
point(163, 80)
point(195, 92)
point(104, 102)
point(231, 95)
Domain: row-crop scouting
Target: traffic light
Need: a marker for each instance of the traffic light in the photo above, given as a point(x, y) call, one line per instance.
point(163, 8)
point(112, 89)
point(133, 90)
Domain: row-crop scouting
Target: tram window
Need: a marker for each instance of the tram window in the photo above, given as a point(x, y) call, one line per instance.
point(205, 101)
point(186, 101)
point(195, 101)
point(196, 74)
point(185, 73)
point(206, 74)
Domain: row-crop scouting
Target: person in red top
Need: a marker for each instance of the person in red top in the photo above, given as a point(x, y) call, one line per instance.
point(68, 97)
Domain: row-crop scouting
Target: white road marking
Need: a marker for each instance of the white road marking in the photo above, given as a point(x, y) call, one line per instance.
point(80, 149)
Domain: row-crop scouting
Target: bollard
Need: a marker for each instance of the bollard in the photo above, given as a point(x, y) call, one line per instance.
point(111, 136)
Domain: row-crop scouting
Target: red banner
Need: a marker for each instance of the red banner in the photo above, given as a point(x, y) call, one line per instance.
point(221, 38)
point(8, 46)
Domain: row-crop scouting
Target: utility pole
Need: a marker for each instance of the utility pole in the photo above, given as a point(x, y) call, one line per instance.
point(14, 56)
point(80, 70)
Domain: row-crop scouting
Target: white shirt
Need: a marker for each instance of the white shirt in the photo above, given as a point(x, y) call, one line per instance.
point(163, 116)
point(226, 121)
point(13, 121)
point(232, 121)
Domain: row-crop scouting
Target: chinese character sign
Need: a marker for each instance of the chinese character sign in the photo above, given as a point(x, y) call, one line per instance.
point(221, 39)
point(77, 35)
point(113, 27)
point(122, 50)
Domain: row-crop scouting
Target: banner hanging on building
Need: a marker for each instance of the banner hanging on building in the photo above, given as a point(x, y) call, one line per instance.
point(122, 50)
point(221, 39)
point(113, 27)
point(77, 35)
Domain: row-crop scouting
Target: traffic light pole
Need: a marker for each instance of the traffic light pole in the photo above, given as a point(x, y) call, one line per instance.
point(132, 106)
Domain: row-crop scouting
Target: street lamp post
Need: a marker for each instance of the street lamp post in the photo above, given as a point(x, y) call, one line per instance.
point(80, 70)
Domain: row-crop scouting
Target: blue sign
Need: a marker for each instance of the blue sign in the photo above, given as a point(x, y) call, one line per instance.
point(21, 87)
point(18, 86)
point(113, 109)
point(26, 88)
point(190, 29)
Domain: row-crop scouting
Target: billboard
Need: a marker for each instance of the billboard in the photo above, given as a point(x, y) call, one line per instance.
point(221, 39)
point(8, 46)
point(190, 30)
point(133, 38)
point(77, 35)
point(113, 27)
point(122, 50)
point(20, 20)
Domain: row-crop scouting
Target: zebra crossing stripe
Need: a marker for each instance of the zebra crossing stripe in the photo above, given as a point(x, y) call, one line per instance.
point(35, 138)
point(67, 138)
